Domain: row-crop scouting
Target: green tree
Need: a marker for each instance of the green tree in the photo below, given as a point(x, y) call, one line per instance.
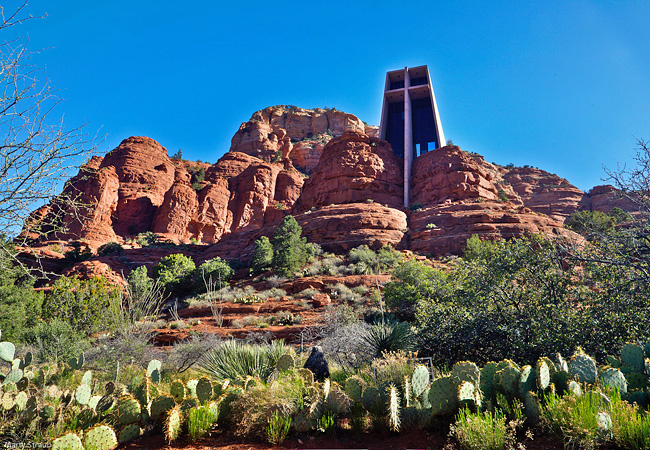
point(262, 255)
point(590, 223)
point(139, 282)
point(86, 305)
point(215, 271)
point(290, 250)
point(175, 273)
point(19, 303)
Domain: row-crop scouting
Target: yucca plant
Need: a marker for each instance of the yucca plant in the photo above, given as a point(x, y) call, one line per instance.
point(233, 360)
point(389, 336)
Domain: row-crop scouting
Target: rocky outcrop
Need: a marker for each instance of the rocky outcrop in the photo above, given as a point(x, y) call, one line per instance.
point(354, 168)
point(299, 134)
point(544, 192)
point(339, 228)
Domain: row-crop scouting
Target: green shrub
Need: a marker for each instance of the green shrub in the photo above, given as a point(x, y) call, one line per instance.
point(630, 424)
point(19, 303)
point(139, 282)
point(55, 340)
point(484, 431)
point(87, 305)
point(574, 418)
point(589, 222)
point(77, 254)
point(200, 421)
point(109, 248)
point(278, 428)
point(262, 254)
point(367, 261)
point(175, 273)
point(503, 197)
point(146, 239)
point(214, 271)
point(416, 207)
point(232, 359)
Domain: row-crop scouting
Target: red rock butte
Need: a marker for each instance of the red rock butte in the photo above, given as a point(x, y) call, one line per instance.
point(344, 185)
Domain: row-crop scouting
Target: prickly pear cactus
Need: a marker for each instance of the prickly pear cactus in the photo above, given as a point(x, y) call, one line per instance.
point(419, 380)
point(393, 408)
point(354, 387)
point(104, 404)
point(615, 378)
point(487, 380)
point(543, 372)
point(636, 381)
point(21, 401)
point(160, 406)
point(466, 371)
point(583, 368)
point(632, 355)
point(468, 396)
point(13, 377)
point(7, 401)
point(443, 396)
point(94, 401)
point(533, 408)
point(82, 394)
point(129, 433)
point(507, 380)
point(191, 387)
point(204, 390)
point(338, 401)
point(153, 370)
point(172, 425)
point(527, 381)
point(87, 378)
point(69, 441)
point(7, 351)
point(127, 410)
point(575, 388)
point(316, 409)
point(188, 404)
point(371, 400)
point(285, 362)
point(100, 437)
point(302, 423)
point(307, 375)
point(47, 412)
point(177, 390)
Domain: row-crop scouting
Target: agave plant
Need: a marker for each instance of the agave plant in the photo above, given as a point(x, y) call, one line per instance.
point(233, 360)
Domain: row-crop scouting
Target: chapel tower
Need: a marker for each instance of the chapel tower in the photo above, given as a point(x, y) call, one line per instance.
point(409, 117)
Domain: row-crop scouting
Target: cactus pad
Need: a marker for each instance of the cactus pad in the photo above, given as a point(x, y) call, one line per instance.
point(338, 401)
point(22, 384)
point(507, 380)
point(100, 437)
point(419, 380)
point(615, 378)
point(188, 404)
point(466, 371)
point(316, 409)
point(127, 410)
point(285, 362)
point(583, 368)
point(603, 421)
point(47, 412)
point(575, 388)
point(443, 396)
point(636, 381)
point(13, 377)
point(160, 406)
point(104, 404)
point(69, 441)
point(21, 401)
point(129, 433)
point(191, 387)
point(82, 394)
point(307, 375)
point(177, 390)
point(632, 355)
point(172, 425)
point(468, 396)
point(487, 380)
point(354, 387)
point(153, 370)
point(7, 351)
point(204, 390)
point(94, 401)
point(371, 400)
point(543, 372)
point(7, 401)
point(533, 408)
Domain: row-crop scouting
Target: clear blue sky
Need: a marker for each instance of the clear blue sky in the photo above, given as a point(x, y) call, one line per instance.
point(561, 85)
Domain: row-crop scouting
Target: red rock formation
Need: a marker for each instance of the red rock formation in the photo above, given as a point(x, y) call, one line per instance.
point(545, 192)
point(449, 174)
point(297, 133)
point(339, 228)
point(354, 168)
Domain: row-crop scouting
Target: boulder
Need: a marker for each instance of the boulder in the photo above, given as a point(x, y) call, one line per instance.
point(317, 363)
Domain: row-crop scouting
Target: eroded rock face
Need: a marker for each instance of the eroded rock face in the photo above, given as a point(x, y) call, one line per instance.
point(339, 228)
point(296, 133)
point(545, 192)
point(354, 168)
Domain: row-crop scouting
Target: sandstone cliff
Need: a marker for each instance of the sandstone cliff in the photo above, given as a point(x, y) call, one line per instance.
point(353, 195)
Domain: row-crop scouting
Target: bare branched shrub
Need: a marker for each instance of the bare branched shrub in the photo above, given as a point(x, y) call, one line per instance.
point(189, 353)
